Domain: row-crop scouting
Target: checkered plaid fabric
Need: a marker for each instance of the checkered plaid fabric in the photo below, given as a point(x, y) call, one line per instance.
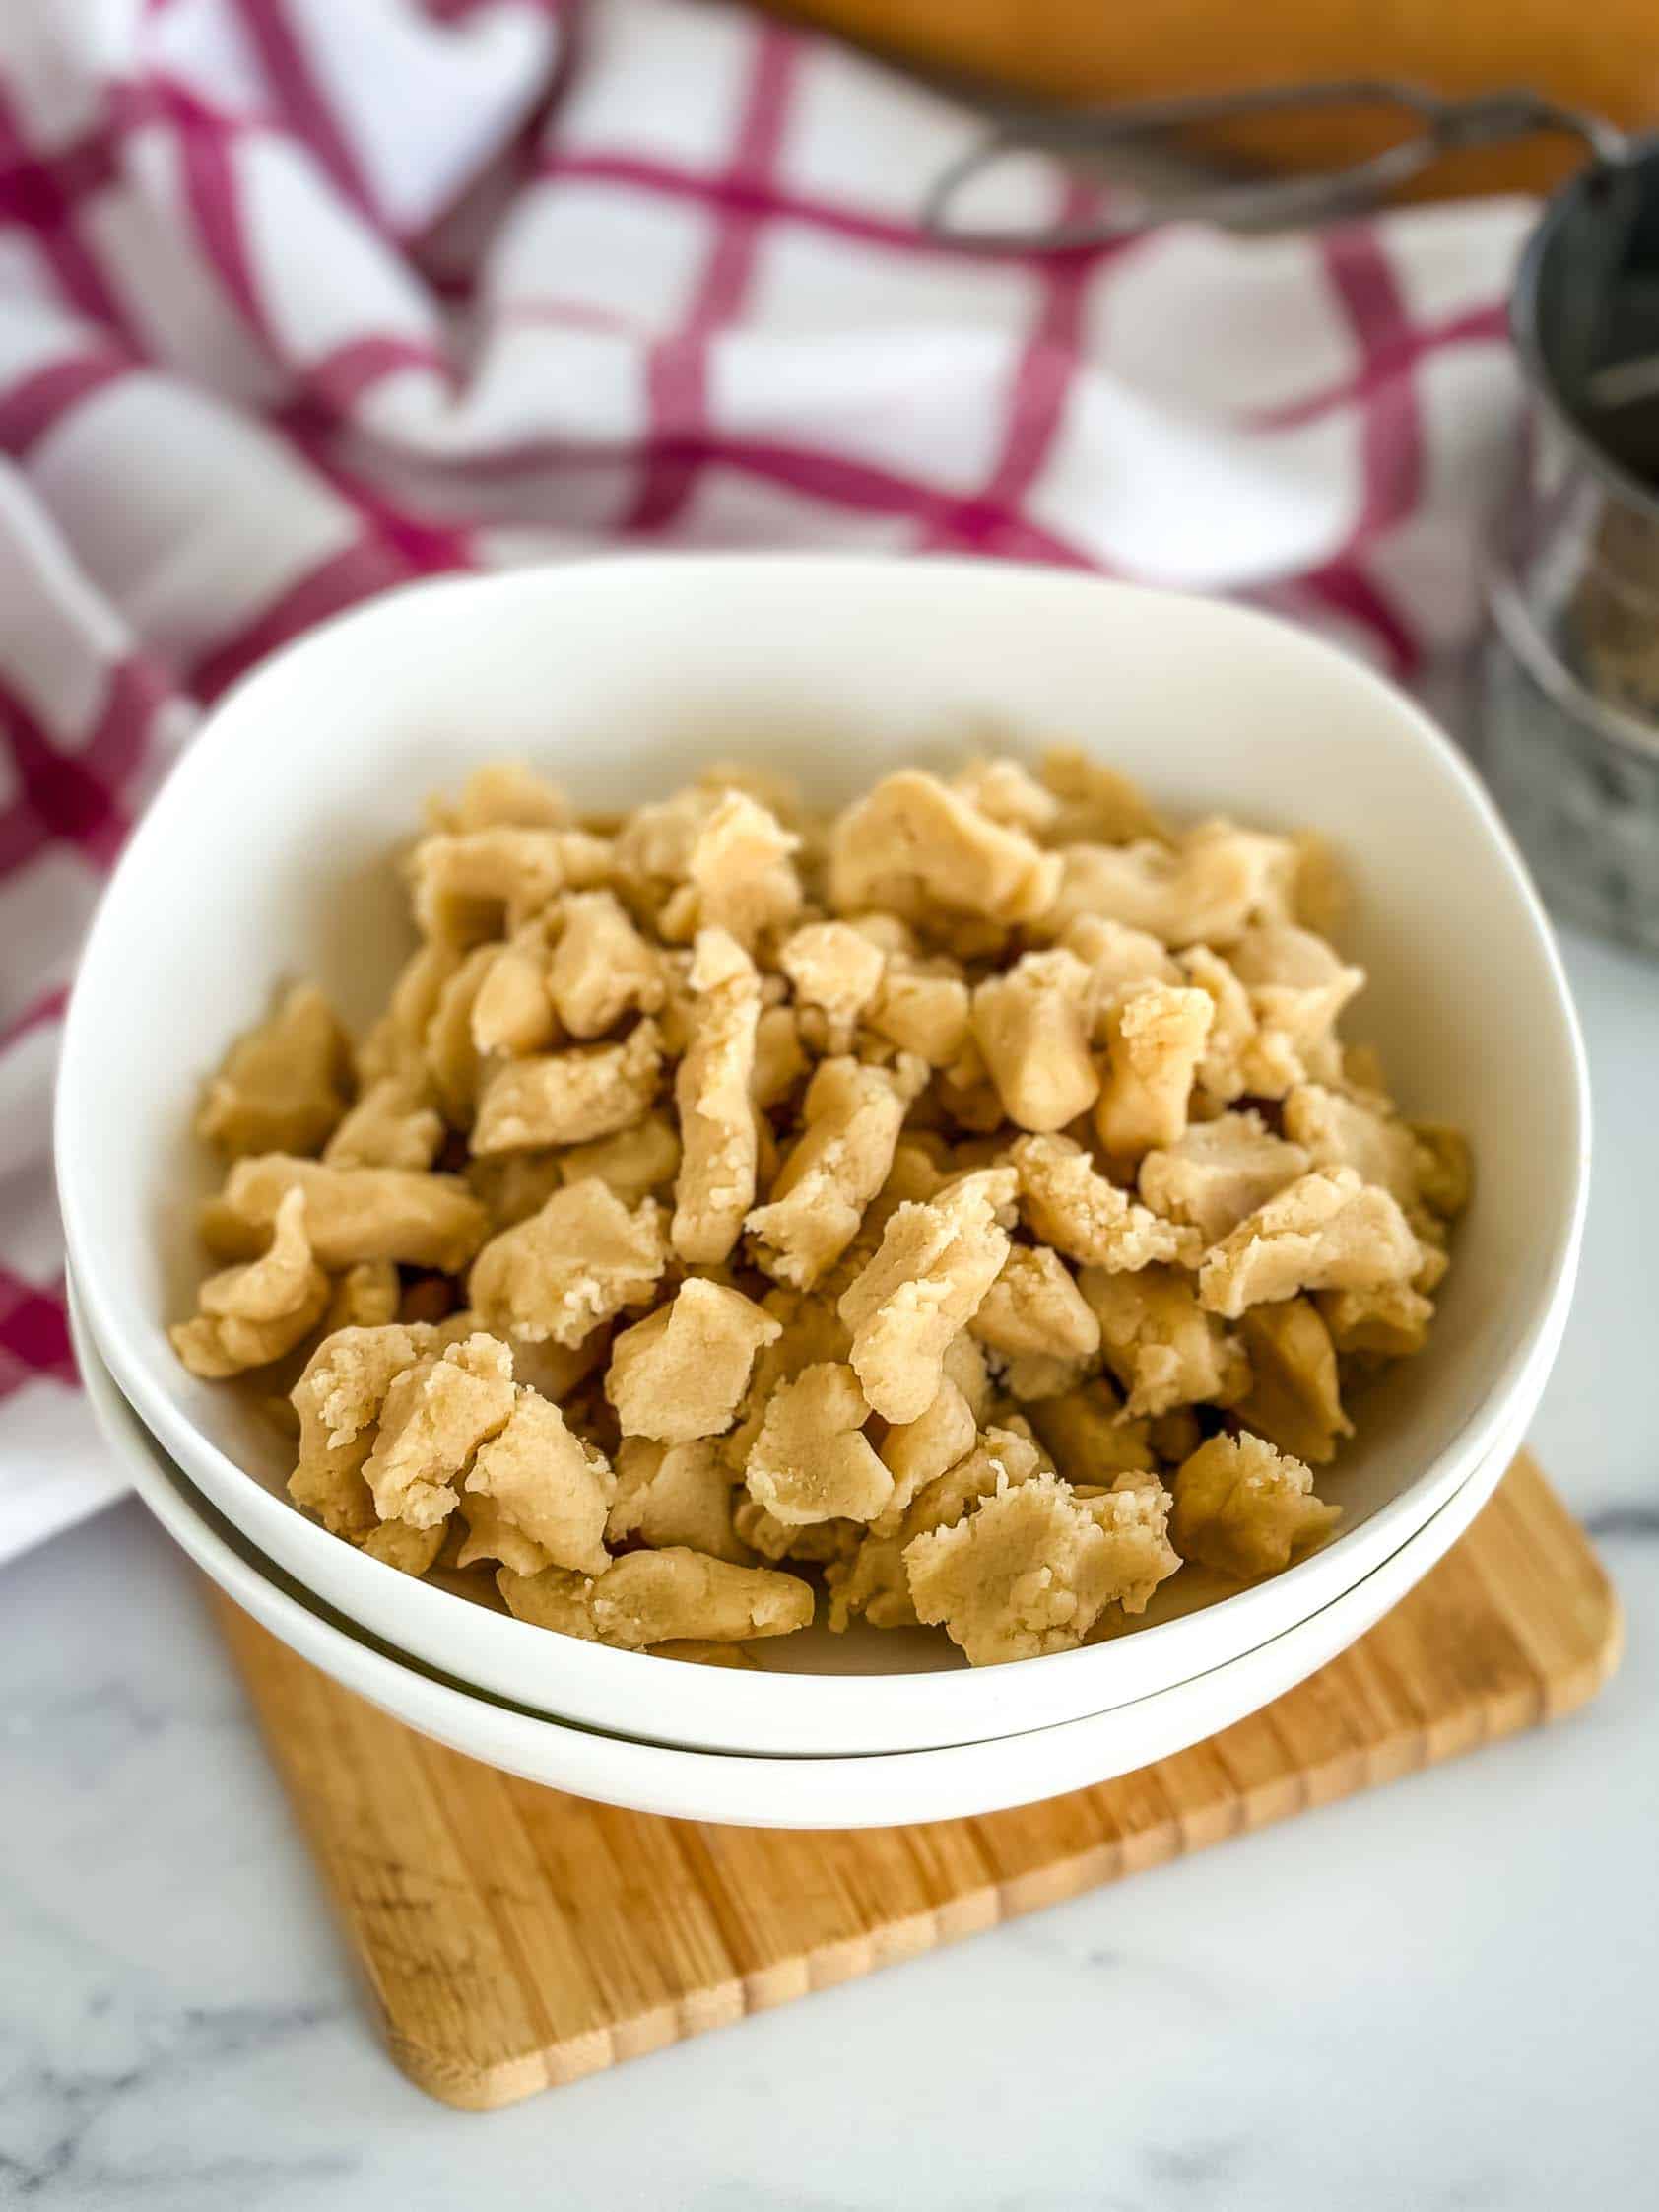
point(298, 300)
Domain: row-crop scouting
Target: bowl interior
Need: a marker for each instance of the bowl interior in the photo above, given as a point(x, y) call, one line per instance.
point(267, 857)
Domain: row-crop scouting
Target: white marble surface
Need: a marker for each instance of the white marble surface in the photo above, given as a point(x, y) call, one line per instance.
point(1439, 1995)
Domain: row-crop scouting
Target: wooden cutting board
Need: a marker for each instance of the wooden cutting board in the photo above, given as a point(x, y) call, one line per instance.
point(513, 1938)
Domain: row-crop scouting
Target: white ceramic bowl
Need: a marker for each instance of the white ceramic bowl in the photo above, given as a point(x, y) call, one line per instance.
point(954, 1784)
point(265, 855)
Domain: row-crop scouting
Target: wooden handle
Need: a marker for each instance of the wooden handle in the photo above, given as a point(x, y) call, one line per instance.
point(1606, 60)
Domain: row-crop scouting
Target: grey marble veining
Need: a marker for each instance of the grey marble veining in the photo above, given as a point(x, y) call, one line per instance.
point(1439, 1995)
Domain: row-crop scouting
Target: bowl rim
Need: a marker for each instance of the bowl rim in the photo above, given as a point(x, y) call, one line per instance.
point(377, 1671)
point(818, 1698)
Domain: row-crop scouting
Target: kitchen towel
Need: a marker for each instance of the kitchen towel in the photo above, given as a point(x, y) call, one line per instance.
point(298, 300)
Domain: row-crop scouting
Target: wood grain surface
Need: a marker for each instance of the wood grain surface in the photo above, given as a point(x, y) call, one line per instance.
point(513, 1938)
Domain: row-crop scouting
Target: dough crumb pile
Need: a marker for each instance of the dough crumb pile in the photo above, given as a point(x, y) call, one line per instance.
point(961, 1210)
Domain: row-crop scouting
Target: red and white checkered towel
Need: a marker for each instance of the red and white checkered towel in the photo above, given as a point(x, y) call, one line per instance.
point(298, 300)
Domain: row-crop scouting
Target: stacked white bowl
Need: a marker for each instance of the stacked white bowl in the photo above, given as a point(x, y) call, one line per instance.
point(265, 857)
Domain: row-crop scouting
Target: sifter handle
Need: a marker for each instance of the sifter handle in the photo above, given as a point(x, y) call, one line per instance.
point(1441, 125)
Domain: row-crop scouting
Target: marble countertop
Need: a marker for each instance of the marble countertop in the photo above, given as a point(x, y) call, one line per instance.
point(1441, 1994)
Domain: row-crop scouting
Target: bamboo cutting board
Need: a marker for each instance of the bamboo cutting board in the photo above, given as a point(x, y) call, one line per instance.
point(514, 1938)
